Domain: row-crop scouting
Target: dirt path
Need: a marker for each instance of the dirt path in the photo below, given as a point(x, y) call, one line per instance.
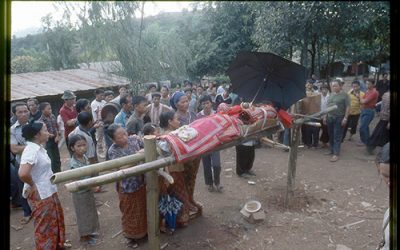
point(327, 197)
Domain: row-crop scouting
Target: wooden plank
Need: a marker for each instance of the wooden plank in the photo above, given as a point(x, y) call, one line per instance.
point(152, 190)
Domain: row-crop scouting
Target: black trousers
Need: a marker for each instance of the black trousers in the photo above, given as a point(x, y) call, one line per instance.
point(310, 135)
point(244, 158)
point(54, 155)
point(352, 123)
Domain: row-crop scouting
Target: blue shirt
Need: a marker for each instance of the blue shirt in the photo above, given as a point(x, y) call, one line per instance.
point(121, 118)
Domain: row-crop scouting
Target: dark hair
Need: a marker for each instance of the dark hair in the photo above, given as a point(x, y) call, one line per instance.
point(151, 86)
point(33, 100)
point(155, 94)
point(188, 89)
point(99, 91)
point(124, 99)
point(43, 105)
point(356, 82)
point(81, 104)
point(108, 92)
point(165, 117)
point(123, 86)
point(84, 118)
point(17, 104)
point(149, 128)
point(112, 129)
point(165, 86)
point(205, 98)
point(31, 129)
point(136, 100)
point(73, 139)
point(370, 80)
point(199, 86)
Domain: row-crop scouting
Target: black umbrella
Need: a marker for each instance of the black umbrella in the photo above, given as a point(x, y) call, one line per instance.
point(259, 77)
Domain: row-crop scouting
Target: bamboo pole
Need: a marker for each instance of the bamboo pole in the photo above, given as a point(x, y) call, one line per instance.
point(152, 190)
point(119, 175)
point(140, 169)
point(94, 169)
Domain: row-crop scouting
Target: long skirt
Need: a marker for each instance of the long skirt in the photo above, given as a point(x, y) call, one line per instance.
point(190, 173)
point(48, 221)
point(86, 213)
point(178, 189)
point(380, 136)
point(134, 216)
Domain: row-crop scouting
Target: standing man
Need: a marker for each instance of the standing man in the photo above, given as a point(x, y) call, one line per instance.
point(122, 91)
point(126, 110)
point(156, 108)
point(382, 86)
point(33, 106)
point(96, 105)
point(355, 96)
point(151, 89)
point(165, 96)
point(17, 146)
point(336, 119)
point(135, 123)
point(54, 136)
point(367, 111)
point(68, 113)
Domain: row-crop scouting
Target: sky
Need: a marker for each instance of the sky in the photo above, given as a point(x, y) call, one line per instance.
point(27, 14)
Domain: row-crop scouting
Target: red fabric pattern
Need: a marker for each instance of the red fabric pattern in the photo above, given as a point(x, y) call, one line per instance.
point(48, 217)
point(212, 131)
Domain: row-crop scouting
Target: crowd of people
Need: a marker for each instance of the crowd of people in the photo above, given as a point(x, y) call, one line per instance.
point(37, 136)
point(355, 110)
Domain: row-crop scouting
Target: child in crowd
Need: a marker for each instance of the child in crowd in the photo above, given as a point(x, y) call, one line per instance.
point(211, 162)
point(84, 201)
point(151, 129)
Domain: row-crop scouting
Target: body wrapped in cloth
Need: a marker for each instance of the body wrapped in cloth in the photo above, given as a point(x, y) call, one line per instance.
point(205, 134)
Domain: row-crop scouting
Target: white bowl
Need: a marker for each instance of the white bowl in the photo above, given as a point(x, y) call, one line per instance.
point(252, 206)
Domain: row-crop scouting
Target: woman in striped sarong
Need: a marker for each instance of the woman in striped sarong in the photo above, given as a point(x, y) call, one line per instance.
point(35, 171)
point(132, 190)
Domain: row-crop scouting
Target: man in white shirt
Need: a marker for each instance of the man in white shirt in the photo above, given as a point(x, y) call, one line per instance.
point(156, 108)
point(96, 105)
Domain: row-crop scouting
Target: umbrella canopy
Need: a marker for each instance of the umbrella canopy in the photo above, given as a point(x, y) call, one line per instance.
point(264, 77)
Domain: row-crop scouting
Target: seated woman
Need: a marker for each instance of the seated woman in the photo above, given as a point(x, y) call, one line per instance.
point(132, 190)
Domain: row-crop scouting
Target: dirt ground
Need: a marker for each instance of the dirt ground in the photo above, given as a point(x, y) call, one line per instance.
point(328, 196)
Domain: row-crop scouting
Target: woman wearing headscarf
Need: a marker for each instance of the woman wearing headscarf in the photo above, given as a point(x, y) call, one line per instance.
point(180, 103)
point(35, 171)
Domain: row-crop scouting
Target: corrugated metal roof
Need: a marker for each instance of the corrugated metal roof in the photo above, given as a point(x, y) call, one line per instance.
point(35, 84)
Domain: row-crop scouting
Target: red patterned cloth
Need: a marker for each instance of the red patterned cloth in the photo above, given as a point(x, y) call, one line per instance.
point(48, 220)
point(222, 127)
point(212, 131)
point(134, 216)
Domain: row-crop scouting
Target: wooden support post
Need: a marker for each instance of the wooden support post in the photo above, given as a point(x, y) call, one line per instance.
point(292, 164)
point(152, 189)
point(294, 143)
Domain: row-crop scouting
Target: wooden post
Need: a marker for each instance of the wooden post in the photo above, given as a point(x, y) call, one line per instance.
point(294, 145)
point(153, 230)
point(292, 163)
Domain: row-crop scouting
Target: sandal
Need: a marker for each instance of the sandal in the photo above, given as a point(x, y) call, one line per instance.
point(210, 188)
point(132, 243)
point(334, 158)
point(25, 220)
point(67, 244)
